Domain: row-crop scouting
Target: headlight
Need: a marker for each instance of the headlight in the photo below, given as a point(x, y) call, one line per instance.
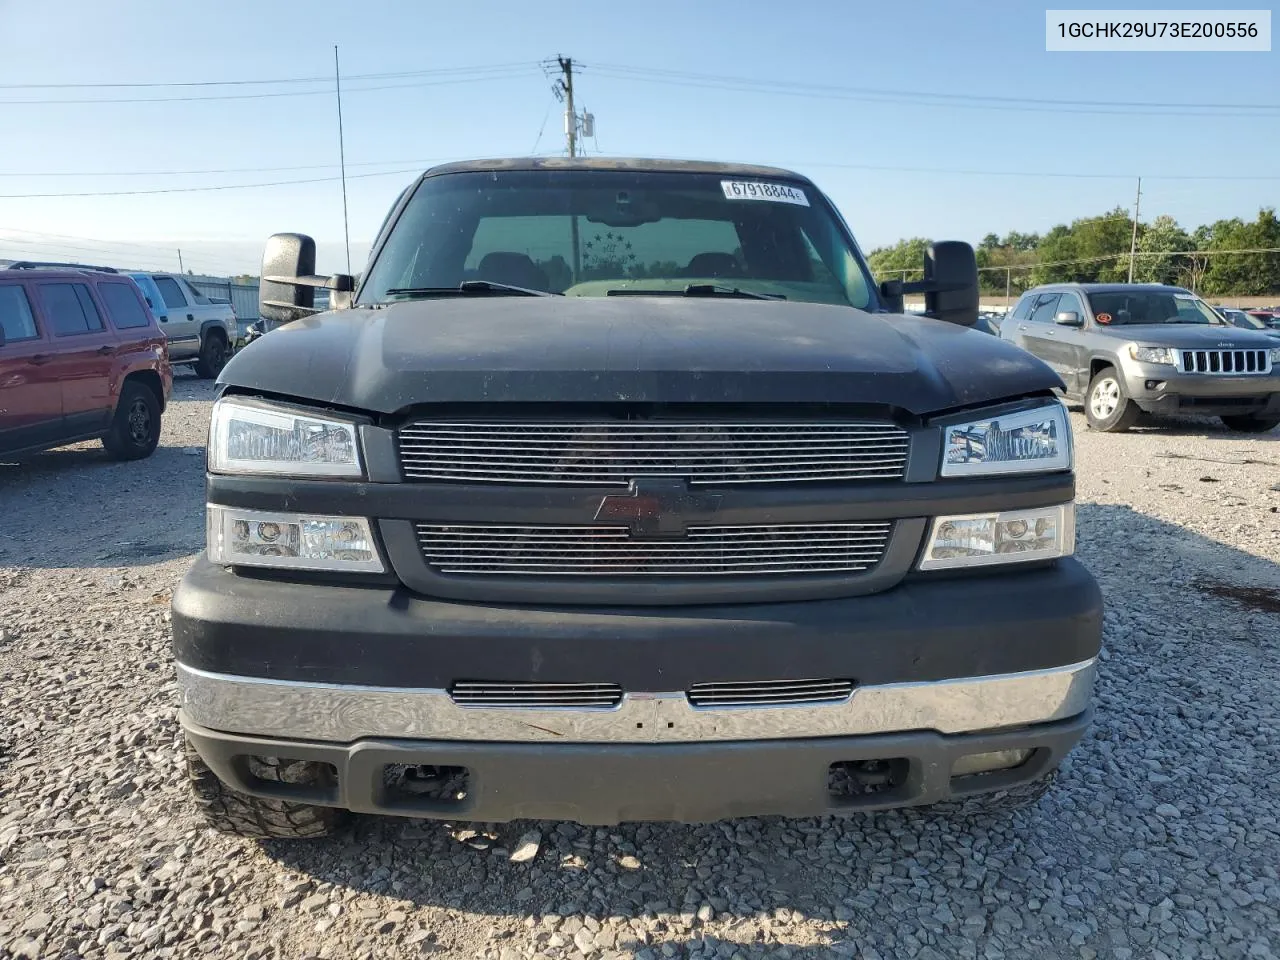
point(1152, 354)
point(254, 538)
point(979, 540)
point(1275, 355)
point(249, 436)
point(1023, 442)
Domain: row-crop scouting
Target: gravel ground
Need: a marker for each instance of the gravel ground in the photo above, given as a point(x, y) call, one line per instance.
point(1160, 841)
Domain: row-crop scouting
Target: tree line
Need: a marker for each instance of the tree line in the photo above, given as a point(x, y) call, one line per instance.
point(1096, 250)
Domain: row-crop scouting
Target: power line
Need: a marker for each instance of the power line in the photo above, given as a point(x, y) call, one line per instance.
point(924, 98)
point(185, 173)
point(204, 189)
point(100, 85)
point(510, 75)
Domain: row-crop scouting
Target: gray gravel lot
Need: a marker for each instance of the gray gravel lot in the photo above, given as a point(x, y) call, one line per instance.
point(1160, 841)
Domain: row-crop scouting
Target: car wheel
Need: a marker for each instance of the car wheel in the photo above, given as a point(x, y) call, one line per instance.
point(214, 354)
point(1251, 424)
point(231, 811)
point(135, 428)
point(1106, 407)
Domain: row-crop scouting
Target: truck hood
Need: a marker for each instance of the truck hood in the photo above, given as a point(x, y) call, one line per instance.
point(1189, 337)
point(632, 349)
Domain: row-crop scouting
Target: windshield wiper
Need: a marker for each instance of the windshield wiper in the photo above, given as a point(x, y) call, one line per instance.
point(470, 288)
point(696, 290)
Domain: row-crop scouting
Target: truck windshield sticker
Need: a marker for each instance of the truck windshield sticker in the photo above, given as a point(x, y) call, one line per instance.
point(759, 190)
point(1103, 318)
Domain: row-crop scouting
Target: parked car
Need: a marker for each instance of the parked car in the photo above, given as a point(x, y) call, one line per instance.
point(81, 358)
point(1270, 317)
point(201, 332)
point(1247, 321)
point(721, 533)
point(1126, 349)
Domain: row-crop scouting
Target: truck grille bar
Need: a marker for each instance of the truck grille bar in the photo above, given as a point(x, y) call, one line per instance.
point(521, 693)
point(583, 551)
point(769, 693)
point(613, 452)
point(1225, 361)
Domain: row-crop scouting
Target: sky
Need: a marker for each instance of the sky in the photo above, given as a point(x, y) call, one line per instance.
point(881, 104)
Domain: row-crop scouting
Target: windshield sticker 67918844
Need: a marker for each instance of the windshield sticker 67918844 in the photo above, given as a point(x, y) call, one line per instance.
point(759, 190)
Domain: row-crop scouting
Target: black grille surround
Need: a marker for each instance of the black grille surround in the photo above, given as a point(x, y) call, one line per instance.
point(613, 452)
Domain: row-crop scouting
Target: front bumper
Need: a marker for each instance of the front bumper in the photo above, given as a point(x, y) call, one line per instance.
point(1161, 390)
point(359, 677)
point(612, 783)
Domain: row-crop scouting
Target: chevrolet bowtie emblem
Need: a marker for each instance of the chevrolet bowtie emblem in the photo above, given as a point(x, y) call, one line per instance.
point(657, 508)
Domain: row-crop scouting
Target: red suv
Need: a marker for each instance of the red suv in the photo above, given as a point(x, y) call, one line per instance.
point(81, 358)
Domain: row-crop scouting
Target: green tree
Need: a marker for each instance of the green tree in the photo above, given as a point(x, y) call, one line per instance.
point(890, 263)
point(1161, 236)
point(1245, 274)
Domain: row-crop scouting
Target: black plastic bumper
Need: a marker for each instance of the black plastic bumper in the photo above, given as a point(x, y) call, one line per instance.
point(923, 629)
point(612, 783)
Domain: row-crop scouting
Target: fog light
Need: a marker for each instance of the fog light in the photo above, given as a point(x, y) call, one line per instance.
point(1016, 536)
point(988, 762)
point(256, 539)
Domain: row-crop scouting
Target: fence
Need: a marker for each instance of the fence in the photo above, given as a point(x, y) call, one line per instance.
point(243, 296)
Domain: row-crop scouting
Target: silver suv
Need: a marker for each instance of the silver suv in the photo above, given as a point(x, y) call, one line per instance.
point(1128, 349)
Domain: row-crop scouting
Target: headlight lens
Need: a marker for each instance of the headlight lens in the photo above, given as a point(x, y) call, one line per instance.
point(1028, 441)
point(1275, 355)
point(254, 538)
point(1152, 354)
point(249, 436)
point(979, 540)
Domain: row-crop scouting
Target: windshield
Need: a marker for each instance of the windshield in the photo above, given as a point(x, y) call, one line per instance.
point(596, 233)
point(1129, 307)
point(1242, 319)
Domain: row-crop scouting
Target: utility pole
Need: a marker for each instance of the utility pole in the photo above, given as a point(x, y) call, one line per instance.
point(1133, 243)
point(570, 115)
point(342, 155)
point(1008, 282)
point(563, 90)
point(180, 267)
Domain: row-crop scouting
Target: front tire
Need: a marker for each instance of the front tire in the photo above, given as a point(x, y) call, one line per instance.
point(231, 811)
point(1250, 424)
point(1106, 407)
point(214, 353)
point(135, 428)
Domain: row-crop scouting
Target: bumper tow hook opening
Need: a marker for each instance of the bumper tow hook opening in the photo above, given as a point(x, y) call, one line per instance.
point(415, 783)
point(852, 779)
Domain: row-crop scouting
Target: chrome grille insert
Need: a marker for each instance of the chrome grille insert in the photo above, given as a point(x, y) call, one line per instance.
point(521, 693)
point(769, 693)
point(582, 551)
point(1225, 361)
point(605, 452)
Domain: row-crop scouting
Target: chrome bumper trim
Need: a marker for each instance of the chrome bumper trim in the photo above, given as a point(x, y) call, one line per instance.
point(340, 713)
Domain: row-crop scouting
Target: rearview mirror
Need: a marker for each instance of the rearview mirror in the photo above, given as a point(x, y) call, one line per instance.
point(288, 258)
point(1068, 318)
point(287, 289)
point(951, 276)
point(950, 284)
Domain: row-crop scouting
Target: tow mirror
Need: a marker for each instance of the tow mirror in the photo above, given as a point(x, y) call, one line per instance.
point(287, 290)
point(1068, 318)
point(950, 284)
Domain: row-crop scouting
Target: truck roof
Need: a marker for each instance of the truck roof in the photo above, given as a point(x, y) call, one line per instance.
point(1110, 287)
point(637, 164)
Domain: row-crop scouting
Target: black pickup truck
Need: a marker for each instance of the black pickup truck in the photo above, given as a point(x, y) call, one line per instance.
point(617, 490)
